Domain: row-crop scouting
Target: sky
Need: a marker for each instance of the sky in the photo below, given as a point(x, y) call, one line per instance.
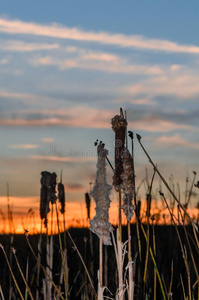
point(66, 68)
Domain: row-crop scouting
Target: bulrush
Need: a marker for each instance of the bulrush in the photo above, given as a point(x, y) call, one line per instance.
point(127, 184)
point(88, 204)
point(44, 204)
point(51, 188)
point(100, 223)
point(119, 125)
point(48, 185)
point(61, 197)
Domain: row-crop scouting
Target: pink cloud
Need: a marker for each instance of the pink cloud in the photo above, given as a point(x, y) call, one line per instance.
point(176, 140)
point(57, 31)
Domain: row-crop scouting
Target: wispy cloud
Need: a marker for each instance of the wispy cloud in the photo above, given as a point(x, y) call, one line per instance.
point(57, 31)
point(98, 62)
point(183, 84)
point(70, 159)
point(87, 117)
point(21, 46)
point(48, 140)
point(158, 125)
point(24, 146)
point(176, 140)
point(4, 61)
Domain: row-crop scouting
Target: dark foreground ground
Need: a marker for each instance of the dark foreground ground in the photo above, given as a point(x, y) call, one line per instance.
point(168, 257)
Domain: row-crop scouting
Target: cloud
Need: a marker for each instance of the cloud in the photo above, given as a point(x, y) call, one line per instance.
point(184, 84)
point(136, 101)
point(48, 140)
point(21, 46)
point(78, 116)
point(57, 31)
point(4, 61)
point(158, 125)
point(97, 61)
point(87, 117)
point(24, 146)
point(71, 159)
point(176, 140)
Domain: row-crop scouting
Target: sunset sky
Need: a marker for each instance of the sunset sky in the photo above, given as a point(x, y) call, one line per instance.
point(66, 67)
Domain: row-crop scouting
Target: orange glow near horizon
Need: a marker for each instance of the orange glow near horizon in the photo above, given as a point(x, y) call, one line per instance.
point(26, 215)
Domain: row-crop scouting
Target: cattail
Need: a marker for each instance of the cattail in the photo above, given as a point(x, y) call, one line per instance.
point(61, 197)
point(48, 185)
point(119, 125)
point(44, 204)
point(128, 187)
point(51, 188)
point(100, 223)
point(88, 204)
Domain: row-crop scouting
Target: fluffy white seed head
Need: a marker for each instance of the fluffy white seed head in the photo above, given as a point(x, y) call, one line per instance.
point(100, 223)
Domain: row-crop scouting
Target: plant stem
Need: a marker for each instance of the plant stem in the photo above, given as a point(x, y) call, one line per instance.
point(11, 272)
point(44, 270)
point(166, 184)
point(101, 262)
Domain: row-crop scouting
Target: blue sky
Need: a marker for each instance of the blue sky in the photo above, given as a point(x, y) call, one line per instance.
point(66, 67)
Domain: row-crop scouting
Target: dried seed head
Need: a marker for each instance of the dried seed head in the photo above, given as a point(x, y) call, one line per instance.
point(88, 204)
point(119, 125)
point(127, 184)
point(48, 185)
point(44, 204)
point(51, 188)
point(100, 223)
point(61, 197)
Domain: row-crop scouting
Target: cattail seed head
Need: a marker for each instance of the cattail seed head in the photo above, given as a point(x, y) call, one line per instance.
point(100, 223)
point(119, 125)
point(88, 204)
point(61, 197)
point(47, 195)
point(44, 204)
point(127, 185)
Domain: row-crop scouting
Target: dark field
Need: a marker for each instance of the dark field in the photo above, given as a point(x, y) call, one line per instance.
point(169, 260)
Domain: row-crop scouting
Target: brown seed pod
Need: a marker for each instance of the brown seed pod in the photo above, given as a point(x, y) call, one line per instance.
point(119, 125)
point(127, 184)
point(51, 188)
point(61, 197)
point(88, 204)
point(48, 193)
point(44, 204)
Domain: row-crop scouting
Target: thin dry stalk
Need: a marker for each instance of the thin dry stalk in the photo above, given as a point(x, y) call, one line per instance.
point(148, 216)
point(62, 257)
point(81, 258)
point(120, 266)
point(183, 289)
point(155, 265)
point(171, 282)
point(43, 269)
point(184, 254)
point(1, 293)
point(191, 252)
point(27, 270)
point(166, 184)
point(100, 284)
point(39, 261)
point(11, 272)
point(22, 275)
point(48, 284)
point(154, 250)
